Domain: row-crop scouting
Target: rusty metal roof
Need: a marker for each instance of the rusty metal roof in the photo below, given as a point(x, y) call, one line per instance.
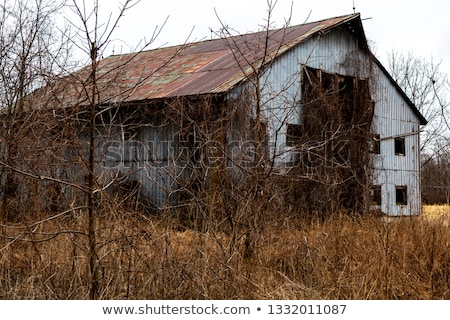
point(212, 66)
point(206, 67)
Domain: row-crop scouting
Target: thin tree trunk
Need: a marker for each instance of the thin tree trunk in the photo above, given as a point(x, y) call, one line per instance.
point(94, 285)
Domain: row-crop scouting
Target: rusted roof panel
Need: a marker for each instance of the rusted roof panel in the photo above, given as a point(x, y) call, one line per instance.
point(212, 66)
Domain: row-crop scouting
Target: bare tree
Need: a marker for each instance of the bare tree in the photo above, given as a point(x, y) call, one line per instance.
point(427, 87)
point(93, 36)
point(55, 121)
point(30, 56)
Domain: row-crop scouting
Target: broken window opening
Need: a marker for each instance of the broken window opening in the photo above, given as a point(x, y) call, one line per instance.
point(401, 195)
point(337, 113)
point(399, 145)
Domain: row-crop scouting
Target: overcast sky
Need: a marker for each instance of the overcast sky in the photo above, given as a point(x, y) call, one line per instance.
point(421, 27)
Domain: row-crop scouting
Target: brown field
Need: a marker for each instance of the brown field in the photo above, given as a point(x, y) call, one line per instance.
point(146, 258)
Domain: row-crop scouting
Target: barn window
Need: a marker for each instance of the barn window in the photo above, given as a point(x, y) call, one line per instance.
point(375, 195)
point(293, 134)
point(374, 144)
point(400, 146)
point(401, 195)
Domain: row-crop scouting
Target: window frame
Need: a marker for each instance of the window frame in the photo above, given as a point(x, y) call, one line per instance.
point(399, 146)
point(401, 195)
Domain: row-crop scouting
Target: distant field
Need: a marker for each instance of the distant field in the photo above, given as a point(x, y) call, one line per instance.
point(437, 211)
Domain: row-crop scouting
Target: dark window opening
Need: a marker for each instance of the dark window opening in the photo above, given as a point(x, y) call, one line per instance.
point(293, 134)
point(346, 90)
point(400, 146)
point(374, 144)
point(401, 195)
point(328, 82)
point(344, 98)
point(375, 195)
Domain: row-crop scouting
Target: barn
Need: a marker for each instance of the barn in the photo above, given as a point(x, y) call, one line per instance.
point(308, 104)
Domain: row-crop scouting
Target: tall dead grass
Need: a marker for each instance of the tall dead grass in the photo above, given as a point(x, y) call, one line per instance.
point(149, 258)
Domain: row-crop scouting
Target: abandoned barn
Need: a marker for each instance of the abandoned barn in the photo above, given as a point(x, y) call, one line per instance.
point(309, 104)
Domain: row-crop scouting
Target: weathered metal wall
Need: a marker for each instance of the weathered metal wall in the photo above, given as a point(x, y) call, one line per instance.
point(393, 118)
point(159, 172)
point(338, 52)
point(142, 159)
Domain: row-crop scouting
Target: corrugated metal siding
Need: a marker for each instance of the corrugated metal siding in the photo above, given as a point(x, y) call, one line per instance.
point(393, 118)
point(146, 158)
point(157, 170)
point(338, 52)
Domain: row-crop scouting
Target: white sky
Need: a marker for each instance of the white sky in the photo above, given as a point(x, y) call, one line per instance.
point(421, 27)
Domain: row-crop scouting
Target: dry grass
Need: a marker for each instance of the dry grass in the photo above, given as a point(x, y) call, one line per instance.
point(438, 212)
point(142, 258)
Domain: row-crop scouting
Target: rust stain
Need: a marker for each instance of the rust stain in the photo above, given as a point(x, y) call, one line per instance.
point(212, 66)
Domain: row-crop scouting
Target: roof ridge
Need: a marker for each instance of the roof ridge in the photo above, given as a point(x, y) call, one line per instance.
point(188, 44)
